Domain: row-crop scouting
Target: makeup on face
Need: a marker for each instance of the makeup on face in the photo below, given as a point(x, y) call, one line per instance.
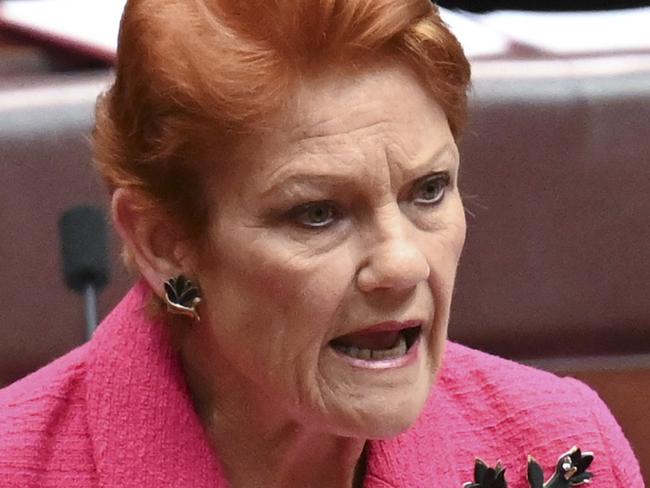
point(335, 243)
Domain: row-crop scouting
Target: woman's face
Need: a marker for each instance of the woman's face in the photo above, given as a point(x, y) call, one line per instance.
point(334, 245)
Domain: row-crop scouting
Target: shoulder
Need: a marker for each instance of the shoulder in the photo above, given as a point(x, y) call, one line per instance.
point(471, 374)
point(509, 410)
point(42, 426)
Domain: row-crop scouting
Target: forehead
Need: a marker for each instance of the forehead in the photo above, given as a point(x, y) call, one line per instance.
point(346, 123)
point(345, 101)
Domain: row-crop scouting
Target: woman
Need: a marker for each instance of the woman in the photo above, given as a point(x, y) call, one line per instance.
point(284, 176)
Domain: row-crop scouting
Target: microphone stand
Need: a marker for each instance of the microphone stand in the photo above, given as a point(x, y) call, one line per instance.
point(84, 252)
point(90, 309)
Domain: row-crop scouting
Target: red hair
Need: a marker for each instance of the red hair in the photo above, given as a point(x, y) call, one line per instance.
point(196, 70)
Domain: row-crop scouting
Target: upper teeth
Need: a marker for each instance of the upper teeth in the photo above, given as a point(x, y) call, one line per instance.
point(399, 349)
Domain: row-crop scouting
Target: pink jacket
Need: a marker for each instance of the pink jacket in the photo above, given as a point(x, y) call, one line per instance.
point(116, 413)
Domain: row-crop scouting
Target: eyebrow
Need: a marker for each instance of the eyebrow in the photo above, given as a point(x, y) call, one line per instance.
point(447, 152)
point(308, 180)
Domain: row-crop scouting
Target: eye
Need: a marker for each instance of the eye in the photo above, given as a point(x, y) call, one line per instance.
point(431, 189)
point(315, 214)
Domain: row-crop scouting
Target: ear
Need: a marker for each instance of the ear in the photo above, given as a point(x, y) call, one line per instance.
point(156, 244)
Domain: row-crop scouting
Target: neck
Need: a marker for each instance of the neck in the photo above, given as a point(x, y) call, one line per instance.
point(290, 456)
point(259, 445)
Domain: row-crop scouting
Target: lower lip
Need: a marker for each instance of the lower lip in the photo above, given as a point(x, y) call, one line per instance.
point(410, 357)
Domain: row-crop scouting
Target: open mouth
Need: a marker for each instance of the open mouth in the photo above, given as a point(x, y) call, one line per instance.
point(378, 345)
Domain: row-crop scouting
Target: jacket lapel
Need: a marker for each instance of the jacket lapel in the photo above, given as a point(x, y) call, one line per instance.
point(142, 424)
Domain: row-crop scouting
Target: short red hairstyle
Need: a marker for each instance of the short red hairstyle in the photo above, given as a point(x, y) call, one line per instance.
point(213, 70)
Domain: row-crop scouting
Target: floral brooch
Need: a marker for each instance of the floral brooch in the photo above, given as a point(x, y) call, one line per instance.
point(571, 470)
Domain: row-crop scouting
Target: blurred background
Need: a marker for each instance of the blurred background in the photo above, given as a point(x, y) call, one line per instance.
point(555, 174)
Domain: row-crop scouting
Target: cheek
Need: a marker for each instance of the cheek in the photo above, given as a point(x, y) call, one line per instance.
point(293, 295)
point(272, 312)
point(302, 285)
point(457, 226)
point(443, 253)
point(444, 248)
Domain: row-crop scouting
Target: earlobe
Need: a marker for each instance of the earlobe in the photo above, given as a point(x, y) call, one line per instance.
point(149, 237)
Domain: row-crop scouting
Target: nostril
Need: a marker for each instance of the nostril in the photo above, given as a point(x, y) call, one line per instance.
point(401, 269)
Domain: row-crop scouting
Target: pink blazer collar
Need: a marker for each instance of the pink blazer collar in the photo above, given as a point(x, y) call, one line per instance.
point(144, 430)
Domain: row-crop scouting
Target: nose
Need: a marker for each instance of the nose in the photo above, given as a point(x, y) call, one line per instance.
point(394, 263)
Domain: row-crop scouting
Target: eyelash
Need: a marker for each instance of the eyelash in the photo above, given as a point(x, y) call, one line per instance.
point(333, 214)
point(296, 213)
point(442, 180)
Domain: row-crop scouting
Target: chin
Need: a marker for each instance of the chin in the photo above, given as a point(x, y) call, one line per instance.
point(393, 418)
point(384, 414)
point(378, 401)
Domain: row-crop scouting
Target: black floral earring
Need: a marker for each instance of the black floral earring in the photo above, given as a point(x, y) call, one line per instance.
point(182, 297)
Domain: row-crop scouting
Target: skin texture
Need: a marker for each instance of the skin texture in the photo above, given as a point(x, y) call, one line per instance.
point(281, 280)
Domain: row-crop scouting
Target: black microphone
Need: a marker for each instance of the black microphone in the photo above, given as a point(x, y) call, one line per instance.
point(84, 252)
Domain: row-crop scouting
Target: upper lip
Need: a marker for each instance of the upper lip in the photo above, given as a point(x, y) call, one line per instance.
point(388, 326)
